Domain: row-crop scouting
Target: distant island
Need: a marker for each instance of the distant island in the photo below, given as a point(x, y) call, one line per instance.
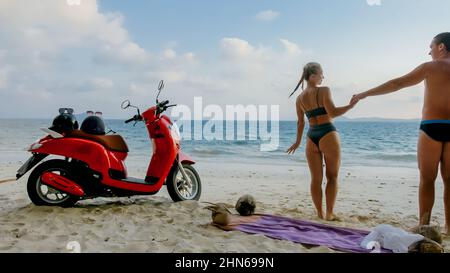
point(374, 119)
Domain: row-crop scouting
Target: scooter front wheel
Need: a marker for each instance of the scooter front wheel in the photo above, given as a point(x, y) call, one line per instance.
point(181, 190)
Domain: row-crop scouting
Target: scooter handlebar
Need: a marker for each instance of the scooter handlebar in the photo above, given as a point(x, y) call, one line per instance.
point(135, 118)
point(164, 103)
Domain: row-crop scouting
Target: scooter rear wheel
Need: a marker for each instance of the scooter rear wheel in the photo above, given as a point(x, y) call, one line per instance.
point(179, 189)
point(43, 195)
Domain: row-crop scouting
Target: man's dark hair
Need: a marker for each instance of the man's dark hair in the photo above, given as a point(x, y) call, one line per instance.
point(443, 38)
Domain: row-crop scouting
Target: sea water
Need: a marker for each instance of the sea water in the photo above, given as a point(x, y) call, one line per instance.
point(380, 143)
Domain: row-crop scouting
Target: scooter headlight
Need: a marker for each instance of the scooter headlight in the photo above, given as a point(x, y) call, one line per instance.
point(35, 145)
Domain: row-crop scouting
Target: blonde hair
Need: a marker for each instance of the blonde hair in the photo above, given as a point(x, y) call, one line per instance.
point(309, 69)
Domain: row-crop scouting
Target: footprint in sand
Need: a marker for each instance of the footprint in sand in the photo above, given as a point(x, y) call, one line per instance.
point(7, 247)
point(88, 220)
point(62, 238)
point(18, 233)
point(293, 210)
point(362, 218)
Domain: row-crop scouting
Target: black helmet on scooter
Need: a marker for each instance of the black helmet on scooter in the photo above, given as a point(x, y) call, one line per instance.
point(93, 125)
point(65, 121)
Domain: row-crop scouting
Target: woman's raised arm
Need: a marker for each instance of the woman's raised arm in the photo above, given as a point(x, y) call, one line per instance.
point(332, 110)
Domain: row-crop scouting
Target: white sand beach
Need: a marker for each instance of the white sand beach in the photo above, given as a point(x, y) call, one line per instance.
point(368, 196)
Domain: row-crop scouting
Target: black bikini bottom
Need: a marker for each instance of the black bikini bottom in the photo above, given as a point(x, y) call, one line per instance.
point(317, 132)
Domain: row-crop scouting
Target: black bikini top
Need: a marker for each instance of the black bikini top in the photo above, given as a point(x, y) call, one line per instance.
point(319, 111)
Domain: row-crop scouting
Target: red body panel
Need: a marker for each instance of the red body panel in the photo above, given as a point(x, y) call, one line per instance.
point(92, 153)
point(62, 183)
point(101, 160)
point(166, 150)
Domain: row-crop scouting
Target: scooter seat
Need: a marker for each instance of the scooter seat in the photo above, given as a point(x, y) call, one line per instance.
point(110, 142)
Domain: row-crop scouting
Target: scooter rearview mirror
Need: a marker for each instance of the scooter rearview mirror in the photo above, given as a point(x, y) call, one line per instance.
point(161, 85)
point(125, 104)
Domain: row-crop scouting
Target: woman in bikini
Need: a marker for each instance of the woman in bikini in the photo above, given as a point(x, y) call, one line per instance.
point(323, 139)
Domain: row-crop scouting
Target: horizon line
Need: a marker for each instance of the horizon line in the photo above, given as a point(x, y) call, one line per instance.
point(336, 119)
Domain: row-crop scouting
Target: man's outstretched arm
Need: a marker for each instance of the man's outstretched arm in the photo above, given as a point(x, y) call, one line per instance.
point(416, 76)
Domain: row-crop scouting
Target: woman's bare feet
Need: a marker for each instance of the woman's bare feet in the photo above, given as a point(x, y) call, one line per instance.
point(320, 215)
point(332, 217)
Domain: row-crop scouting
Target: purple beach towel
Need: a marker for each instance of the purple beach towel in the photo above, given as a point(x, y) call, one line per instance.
point(304, 232)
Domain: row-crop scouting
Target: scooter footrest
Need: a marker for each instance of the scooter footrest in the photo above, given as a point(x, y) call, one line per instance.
point(134, 180)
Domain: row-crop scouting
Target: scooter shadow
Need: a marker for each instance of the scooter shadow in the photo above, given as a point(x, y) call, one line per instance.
point(99, 203)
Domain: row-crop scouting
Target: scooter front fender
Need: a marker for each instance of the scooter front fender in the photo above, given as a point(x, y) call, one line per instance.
point(184, 158)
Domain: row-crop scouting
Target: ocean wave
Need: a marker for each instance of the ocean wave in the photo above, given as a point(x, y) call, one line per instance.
point(393, 157)
point(209, 151)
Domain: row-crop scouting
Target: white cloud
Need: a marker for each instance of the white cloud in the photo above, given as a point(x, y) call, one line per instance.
point(189, 56)
point(267, 15)
point(48, 48)
point(373, 2)
point(169, 54)
point(291, 48)
point(170, 75)
point(53, 25)
point(241, 51)
point(3, 79)
point(126, 54)
point(236, 48)
point(39, 48)
point(101, 83)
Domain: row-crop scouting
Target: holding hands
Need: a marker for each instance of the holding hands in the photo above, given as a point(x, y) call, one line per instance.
point(356, 98)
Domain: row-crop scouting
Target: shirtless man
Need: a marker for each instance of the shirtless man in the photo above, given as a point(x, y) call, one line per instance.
point(434, 139)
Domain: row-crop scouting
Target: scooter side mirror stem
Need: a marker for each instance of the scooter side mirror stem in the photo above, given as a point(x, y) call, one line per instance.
point(160, 87)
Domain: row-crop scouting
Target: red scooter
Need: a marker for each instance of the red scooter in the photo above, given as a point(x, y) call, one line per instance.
point(93, 164)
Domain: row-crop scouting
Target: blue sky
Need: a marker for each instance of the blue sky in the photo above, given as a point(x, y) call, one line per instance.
point(96, 54)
